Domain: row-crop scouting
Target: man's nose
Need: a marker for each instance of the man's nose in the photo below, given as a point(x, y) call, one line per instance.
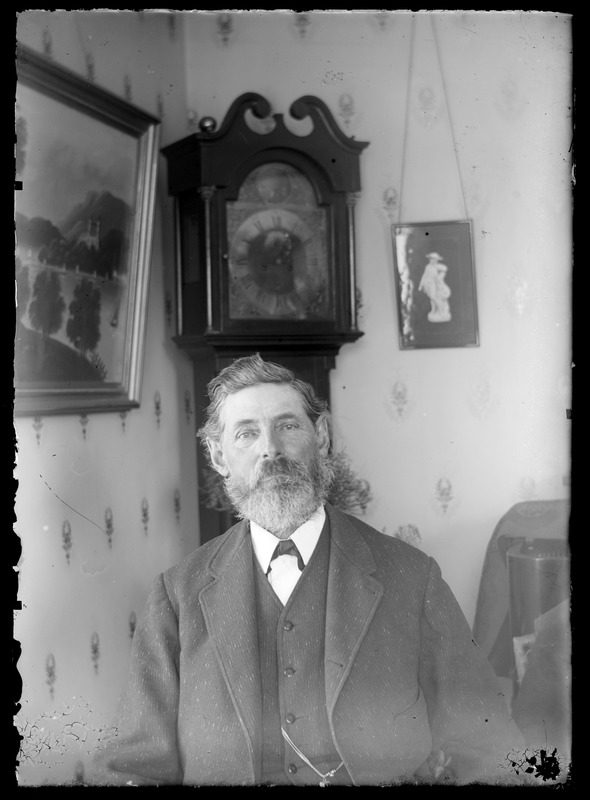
point(270, 444)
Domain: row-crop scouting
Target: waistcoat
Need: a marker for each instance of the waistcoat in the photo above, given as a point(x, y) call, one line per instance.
point(291, 643)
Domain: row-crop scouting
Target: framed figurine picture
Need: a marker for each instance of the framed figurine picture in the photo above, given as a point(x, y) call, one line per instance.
point(435, 285)
point(86, 165)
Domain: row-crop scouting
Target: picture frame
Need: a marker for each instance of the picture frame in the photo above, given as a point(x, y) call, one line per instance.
point(435, 285)
point(85, 182)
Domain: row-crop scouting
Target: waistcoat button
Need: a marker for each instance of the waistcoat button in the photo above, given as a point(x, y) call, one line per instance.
point(287, 625)
point(292, 769)
point(289, 671)
point(290, 718)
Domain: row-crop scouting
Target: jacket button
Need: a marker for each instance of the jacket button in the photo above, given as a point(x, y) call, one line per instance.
point(289, 671)
point(287, 625)
point(290, 718)
point(292, 769)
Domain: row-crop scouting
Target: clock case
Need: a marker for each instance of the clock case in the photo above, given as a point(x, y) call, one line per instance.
point(206, 171)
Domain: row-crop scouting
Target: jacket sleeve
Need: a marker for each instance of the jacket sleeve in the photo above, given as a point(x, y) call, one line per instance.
point(142, 748)
point(472, 734)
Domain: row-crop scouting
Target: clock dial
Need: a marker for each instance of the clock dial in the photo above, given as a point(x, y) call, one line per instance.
point(278, 253)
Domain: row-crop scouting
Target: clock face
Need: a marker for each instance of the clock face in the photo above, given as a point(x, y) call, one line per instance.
point(278, 248)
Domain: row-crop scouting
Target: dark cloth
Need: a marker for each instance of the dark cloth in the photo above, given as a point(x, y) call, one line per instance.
point(533, 519)
point(287, 547)
point(542, 707)
point(292, 676)
point(403, 679)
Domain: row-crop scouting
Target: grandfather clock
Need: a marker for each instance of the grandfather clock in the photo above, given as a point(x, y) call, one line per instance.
point(265, 240)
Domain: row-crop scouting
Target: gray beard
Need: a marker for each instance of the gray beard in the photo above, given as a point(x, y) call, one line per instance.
point(283, 494)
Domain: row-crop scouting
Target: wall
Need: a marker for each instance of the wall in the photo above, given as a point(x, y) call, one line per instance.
point(449, 439)
point(107, 502)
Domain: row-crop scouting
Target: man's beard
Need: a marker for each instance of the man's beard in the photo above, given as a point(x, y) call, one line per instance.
point(283, 493)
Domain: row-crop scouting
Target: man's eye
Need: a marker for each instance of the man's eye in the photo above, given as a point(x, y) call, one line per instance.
point(245, 434)
point(290, 426)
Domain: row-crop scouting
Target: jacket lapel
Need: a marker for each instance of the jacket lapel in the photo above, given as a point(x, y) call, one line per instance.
point(229, 608)
point(353, 597)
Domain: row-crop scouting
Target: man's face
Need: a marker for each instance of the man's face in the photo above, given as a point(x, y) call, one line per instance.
point(271, 456)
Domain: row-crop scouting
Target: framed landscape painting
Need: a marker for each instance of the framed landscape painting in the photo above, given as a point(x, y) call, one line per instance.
point(86, 165)
point(435, 285)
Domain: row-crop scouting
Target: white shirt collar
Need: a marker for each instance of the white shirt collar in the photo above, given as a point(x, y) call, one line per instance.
point(305, 537)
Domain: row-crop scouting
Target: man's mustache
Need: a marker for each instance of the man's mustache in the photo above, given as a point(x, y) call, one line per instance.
point(281, 466)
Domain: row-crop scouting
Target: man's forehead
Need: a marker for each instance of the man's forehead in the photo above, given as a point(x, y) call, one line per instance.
point(261, 401)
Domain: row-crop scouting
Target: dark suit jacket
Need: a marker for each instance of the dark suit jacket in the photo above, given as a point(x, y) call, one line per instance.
point(403, 678)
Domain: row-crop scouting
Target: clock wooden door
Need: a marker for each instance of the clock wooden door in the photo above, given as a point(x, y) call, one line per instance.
point(265, 244)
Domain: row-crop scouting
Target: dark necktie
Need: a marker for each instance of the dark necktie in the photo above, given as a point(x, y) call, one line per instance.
point(287, 547)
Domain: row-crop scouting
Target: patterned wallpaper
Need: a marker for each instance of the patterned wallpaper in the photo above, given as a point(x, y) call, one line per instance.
point(472, 122)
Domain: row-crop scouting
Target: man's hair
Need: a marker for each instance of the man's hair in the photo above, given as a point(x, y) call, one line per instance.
point(251, 371)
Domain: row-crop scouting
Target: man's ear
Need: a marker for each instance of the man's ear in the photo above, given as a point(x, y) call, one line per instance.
point(323, 433)
point(217, 458)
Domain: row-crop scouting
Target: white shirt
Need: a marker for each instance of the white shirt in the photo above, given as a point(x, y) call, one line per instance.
point(305, 537)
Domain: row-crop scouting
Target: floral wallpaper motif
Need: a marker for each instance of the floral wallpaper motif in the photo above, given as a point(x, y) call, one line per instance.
point(224, 28)
point(158, 408)
point(177, 504)
point(66, 535)
point(79, 772)
point(479, 398)
point(408, 533)
point(90, 66)
point(168, 307)
point(427, 106)
point(399, 401)
point(38, 427)
point(192, 118)
point(477, 191)
point(109, 527)
point(518, 294)
point(132, 624)
point(145, 514)
point(399, 398)
point(444, 494)
point(172, 25)
point(47, 43)
point(383, 20)
point(527, 489)
point(390, 203)
point(301, 23)
point(95, 651)
point(123, 418)
point(127, 89)
point(346, 109)
point(509, 100)
point(84, 423)
point(188, 407)
point(50, 673)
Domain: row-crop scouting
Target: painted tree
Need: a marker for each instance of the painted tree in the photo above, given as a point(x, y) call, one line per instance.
point(23, 289)
point(83, 326)
point(47, 306)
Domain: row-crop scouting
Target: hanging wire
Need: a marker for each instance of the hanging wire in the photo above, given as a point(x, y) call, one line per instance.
point(404, 141)
point(408, 95)
point(442, 78)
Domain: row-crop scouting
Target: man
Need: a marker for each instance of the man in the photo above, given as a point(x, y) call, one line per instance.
point(346, 662)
